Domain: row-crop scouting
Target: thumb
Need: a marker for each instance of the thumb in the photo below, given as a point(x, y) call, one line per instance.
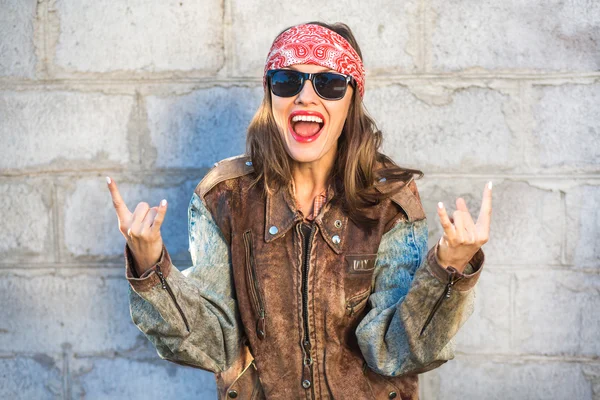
point(160, 216)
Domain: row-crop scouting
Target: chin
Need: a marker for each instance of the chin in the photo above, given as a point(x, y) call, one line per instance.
point(304, 155)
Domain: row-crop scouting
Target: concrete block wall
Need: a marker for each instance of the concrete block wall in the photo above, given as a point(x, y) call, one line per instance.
point(154, 92)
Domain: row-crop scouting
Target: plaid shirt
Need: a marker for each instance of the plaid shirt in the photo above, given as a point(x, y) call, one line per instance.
point(318, 202)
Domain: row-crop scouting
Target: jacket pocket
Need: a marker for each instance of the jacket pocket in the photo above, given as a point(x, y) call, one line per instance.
point(358, 276)
point(357, 303)
point(256, 299)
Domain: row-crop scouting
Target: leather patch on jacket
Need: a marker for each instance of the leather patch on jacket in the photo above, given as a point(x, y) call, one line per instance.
point(360, 263)
point(407, 198)
point(228, 168)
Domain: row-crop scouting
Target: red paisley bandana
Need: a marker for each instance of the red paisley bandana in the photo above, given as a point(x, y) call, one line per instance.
point(315, 44)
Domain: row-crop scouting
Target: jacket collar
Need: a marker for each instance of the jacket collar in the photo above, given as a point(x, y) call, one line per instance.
point(282, 214)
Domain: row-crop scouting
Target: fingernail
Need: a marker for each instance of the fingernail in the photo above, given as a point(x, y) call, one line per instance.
point(440, 205)
point(163, 202)
point(490, 185)
point(108, 180)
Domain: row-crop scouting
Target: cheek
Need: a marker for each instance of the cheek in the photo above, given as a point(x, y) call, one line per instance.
point(279, 110)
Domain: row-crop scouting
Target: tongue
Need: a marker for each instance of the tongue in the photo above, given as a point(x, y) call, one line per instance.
point(305, 128)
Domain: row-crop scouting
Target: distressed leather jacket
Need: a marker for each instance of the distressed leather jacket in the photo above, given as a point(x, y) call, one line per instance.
point(279, 308)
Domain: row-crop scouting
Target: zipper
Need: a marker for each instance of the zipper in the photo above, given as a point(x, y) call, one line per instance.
point(445, 294)
point(166, 287)
point(306, 345)
point(254, 288)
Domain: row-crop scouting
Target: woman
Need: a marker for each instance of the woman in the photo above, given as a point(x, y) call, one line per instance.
point(311, 276)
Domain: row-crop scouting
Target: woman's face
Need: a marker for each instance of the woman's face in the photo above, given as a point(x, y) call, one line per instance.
point(309, 141)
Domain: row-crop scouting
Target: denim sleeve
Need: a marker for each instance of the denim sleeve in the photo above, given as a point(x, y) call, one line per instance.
point(191, 317)
point(408, 283)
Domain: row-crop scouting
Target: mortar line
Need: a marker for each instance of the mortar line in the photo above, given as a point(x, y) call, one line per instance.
point(84, 173)
point(512, 287)
point(56, 224)
point(522, 123)
point(385, 76)
point(227, 42)
point(66, 381)
point(139, 104)
point(46, 61)
point(563, 242)
point(423, 36)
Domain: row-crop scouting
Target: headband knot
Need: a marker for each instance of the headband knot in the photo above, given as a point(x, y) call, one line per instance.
point(315, 44)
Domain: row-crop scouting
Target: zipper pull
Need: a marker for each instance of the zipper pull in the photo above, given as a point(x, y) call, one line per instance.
point(445, 295)
point(161, 277)
point(260, 326)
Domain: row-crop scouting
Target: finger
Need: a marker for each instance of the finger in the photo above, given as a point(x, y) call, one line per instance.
point(123, 212)
point(461, 204)
point(485, 213)
point(459, 225)
point(160, 216)
point(149, 218)
point(467, 221)
point(447, 225)
point(137, 219)
point(470, 230)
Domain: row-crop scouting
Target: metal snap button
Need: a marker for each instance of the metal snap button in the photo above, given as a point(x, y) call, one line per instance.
point(248, 163)
point(336, 239)
point(273, 230)
point(392, 395)
point(338, 223)
point(232, 394)
point(306, 384)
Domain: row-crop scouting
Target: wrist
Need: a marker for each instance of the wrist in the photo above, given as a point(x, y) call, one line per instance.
point(459, 266)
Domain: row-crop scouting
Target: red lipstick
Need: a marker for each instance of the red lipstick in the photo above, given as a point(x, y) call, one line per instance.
point(305, 139)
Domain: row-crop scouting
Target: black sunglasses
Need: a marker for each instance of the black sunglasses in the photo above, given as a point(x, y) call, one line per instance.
point(328, 85)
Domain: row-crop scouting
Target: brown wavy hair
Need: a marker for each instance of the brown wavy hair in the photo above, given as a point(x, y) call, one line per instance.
point(353, 172)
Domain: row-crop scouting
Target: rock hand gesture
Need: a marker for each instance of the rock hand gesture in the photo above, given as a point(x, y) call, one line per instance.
point(462, 237)
point(140, 229)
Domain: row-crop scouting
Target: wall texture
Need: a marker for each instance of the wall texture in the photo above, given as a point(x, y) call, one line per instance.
point(153, 92)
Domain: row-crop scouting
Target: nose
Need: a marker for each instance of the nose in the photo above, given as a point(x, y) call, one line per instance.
point(307, 94)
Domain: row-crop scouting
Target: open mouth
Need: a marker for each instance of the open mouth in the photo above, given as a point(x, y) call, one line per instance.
point(306, 128)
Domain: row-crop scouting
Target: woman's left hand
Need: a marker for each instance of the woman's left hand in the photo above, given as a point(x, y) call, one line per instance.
point(462, 237)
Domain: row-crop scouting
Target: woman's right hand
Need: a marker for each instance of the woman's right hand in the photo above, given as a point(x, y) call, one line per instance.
point(140, 229)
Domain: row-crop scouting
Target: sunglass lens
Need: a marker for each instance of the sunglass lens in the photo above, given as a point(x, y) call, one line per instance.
point(330, 86)
point(285, 83)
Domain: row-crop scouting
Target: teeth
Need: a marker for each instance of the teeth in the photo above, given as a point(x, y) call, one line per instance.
point(307, 118)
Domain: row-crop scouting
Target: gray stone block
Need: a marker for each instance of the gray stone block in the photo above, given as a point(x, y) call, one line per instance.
point(89, 200)
point(521, 217)
point(146, 37)
point(543, 35)
point(27, 221)
point(557, 313)
point(17, 51)
point(583, 225)
point(58, 130)
point(491, 379)
point(488, 329)
point(121, 378)
point(386, 44)
point(201, 128)
point(34, 377)
point(566, 132)
point(469, 131)
point(41, 312)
